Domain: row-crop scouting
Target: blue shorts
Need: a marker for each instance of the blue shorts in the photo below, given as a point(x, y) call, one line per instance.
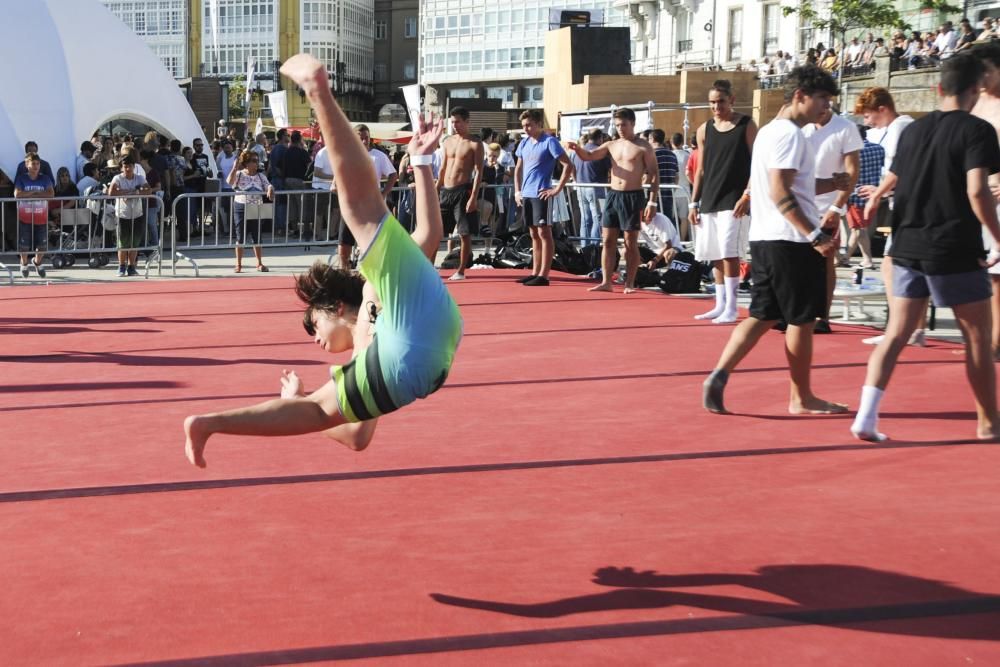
point(950, 289)
point(32, 238)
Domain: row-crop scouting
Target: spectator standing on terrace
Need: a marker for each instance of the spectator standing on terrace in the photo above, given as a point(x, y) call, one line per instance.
point(458, 185)
point(946, 41)
point(130, 214)
point(633, 160)
point(780, 65)
point(720, 197)
point(592, 199)
point(35, 188)
point(942, 203)
point(250, 186)
point(787, 244)
point(538, 154)
point(45, 167)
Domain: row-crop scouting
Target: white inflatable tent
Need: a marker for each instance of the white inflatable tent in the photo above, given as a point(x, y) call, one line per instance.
point(70, 67)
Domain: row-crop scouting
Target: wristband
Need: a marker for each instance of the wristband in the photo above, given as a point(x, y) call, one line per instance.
point(653, 204)
point(696, 205)
point(813, 235)
point(839, 210)
point(421, 160)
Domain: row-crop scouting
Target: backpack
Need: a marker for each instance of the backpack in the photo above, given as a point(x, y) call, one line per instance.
point(592, 256)
point(683, 276)
point(568, 259)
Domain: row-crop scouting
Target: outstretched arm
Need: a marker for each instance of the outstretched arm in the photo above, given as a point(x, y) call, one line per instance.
point(429, 229)
point(360, 197)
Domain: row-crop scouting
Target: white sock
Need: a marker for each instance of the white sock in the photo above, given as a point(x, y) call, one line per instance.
point(866, 421)
point(720, 304)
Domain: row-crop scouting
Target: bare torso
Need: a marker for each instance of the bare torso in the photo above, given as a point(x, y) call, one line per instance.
point(461, 154)
point(628, 162)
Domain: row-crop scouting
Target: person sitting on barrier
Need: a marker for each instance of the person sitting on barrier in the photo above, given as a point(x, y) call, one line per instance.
point(130, 214)
point(250, 184)
point(403, 351)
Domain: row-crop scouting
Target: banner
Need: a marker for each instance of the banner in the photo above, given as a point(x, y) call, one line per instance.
point(279, 108)
point(411, 95)
point(251, 66)
point(258, 127)
point(213, 15)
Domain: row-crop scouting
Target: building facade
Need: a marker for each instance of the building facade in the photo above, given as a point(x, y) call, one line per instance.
point(214, 39)
point(480, 49)
point(396, 48)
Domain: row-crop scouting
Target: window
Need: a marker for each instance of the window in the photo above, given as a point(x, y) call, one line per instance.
point(805, 35)
point(381, 72)
point(380, 30)
point(410, 27)
point(772, 13)
point(410, 70)
point(463, 93)
point(503, 93)
point(734, 50)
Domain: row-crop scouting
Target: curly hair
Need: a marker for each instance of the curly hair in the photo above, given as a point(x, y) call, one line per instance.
point(810, 79)
point(325, 288)
point(872, 99)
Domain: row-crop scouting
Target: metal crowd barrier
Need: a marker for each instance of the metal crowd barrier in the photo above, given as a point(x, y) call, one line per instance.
point(82, 227)
point(677, 210)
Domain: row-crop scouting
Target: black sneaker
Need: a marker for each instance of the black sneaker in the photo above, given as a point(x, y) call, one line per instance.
point(122, 271)
point(25, 270)
point(525, 279)
point(537, 281)
point(822, 327)
point(131, 270)
point(39, 269)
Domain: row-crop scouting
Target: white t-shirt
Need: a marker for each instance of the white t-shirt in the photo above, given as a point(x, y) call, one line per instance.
point(781, 145)
point(225, 165)
point(657, 232)
point(888, 138)
point(131, 207)
point(831, 143)
point(382, 163)
point(682, 162)
point(780, 66)
point(322, 163)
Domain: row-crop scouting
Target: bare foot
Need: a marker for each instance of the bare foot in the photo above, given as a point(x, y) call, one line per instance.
point(816, 406)
point(307, 72)
point(603, 287)
point(988, 432)
point(194, 448)
point(629, 290)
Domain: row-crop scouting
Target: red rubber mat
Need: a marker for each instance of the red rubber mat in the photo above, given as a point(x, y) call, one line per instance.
point(562, 500)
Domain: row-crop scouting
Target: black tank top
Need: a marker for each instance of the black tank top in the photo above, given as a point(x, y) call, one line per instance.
point(726, 169)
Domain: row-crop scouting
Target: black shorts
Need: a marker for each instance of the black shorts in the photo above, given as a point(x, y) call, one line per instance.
point(453, 214)
point(345, 237)
point(535, 211)
point(789, 282)
point(623, 210)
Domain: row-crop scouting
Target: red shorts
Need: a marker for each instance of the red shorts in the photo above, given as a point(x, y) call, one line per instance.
point(856, 217)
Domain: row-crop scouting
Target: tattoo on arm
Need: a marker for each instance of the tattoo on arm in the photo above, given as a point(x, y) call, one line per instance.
point(787, 204)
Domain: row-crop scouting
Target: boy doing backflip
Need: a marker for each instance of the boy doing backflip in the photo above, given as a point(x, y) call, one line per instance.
point(401, 322)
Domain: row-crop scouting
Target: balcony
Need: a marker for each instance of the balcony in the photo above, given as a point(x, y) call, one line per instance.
point(685, 45)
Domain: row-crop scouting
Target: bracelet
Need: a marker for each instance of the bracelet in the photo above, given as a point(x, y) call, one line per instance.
point(813, 235)
point(421, 160)
point(653, 204)
point(839, 210)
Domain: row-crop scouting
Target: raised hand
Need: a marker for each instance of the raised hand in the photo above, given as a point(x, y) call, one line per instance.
point(307, 72)
point(427, 135)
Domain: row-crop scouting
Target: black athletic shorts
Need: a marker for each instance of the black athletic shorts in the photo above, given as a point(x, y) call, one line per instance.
point(623, 210)
point(789, 282)
point(535, 211)
point(453, 214)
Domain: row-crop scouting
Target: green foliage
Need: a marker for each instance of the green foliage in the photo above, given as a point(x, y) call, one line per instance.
point(854, 15)
point(237, 95)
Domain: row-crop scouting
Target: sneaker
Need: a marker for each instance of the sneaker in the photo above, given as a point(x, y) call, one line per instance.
point(525, 279)
point(25, 270)
point(132, 271)
point(874, 340)
point(822, 327)
point(457, 276)
point(122, 271)
point(918, 338)
point(537, 281)
point(39, 269)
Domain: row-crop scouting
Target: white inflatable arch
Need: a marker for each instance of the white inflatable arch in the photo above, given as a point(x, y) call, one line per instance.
point(70, 66)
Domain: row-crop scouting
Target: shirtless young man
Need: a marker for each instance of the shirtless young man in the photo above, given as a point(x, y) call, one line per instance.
point(458, 185)
point(408, 352)
point(988, 108)
point(628, 204)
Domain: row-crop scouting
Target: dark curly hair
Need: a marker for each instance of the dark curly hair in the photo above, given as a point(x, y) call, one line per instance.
point(326, 288)
point(810, 79)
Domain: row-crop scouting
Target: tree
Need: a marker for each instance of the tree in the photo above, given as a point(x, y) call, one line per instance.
point(237, 97)
point(849, 15)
